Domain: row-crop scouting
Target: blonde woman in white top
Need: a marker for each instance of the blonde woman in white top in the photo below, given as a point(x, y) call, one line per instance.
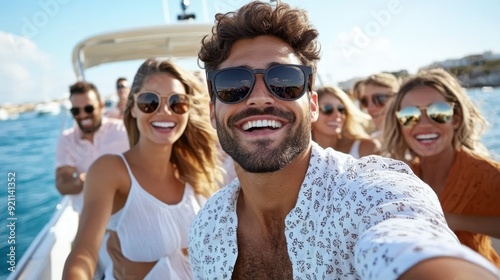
point(148, 197)
point(341, 125)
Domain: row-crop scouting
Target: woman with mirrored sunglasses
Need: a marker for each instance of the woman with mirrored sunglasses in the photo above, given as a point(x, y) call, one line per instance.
point(435, 127)
point(147, 197)
point(373, 96)
point(341, 125)
point(298, 211)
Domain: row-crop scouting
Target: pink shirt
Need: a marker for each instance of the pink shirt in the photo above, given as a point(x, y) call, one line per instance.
point(114, 113)
point(72, 150)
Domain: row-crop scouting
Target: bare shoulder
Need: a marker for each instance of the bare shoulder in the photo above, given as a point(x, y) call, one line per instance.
point(107, 170)
point(106, 163)
point(369, 147)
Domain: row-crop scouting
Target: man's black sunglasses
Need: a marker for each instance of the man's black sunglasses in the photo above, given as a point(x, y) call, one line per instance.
point(75, 111)
point(285, 81)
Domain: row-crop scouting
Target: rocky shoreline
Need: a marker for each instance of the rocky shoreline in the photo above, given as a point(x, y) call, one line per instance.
point(13, 109)
point(18, 108)
point(480, 79)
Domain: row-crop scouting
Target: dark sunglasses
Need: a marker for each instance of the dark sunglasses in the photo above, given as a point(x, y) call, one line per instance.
point(75, 111)
point(120, 86)
point(439, 112)
point(378, 99)
point(328, 109)
point(285, 81)
point(149, 102)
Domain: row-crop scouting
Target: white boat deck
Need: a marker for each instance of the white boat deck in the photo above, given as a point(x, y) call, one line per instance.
point(48, 252)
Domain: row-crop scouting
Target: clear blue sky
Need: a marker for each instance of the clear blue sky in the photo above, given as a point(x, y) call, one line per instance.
point(358, 37)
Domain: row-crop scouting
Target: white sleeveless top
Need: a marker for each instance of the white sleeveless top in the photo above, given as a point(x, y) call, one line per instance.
point(150, 230)
point(355, 149)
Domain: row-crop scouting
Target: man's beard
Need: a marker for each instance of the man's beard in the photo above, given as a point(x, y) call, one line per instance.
point(90, 130)
point(265, 159)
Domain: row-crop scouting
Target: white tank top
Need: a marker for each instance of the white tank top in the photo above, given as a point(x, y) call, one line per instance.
point(355, 149)
point(150, 230)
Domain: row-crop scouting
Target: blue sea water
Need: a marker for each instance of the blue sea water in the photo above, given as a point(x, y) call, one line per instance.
point(27, 147)
point(27, 154)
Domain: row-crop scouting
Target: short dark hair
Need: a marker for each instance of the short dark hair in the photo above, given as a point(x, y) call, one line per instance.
point(259, 18)
point(82, 88)
point(121, 79)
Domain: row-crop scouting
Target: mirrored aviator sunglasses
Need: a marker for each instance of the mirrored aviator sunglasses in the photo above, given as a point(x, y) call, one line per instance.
point(439, 112)
point(328, 109)
point(75, 111)
point(285, 81)
point(149, 102)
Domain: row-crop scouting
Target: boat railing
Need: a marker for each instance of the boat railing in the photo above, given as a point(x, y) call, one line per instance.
point(26, 268)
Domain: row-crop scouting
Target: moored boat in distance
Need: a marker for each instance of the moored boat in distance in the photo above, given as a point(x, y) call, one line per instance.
point(48, 108)
point(4, 115)
point(487, 89)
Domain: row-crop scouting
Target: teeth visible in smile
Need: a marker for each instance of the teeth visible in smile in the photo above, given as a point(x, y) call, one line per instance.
point(164, 124)
point(86, 122)
point(430, 136)
point(262, 123)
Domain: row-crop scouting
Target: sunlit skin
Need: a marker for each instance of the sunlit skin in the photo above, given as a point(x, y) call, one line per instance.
point(108, 183)
point(162, 127)
point(328, 128)
point(431, 141)
point(377, 113)
point(437, 156)
point(265, 198)
point(260, 192)
point(88, 123)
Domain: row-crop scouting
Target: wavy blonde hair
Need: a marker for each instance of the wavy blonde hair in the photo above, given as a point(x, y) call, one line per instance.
point(356, 89)
point(357, 124)
point(387, 80)
point(194, 154)
point(472, 124)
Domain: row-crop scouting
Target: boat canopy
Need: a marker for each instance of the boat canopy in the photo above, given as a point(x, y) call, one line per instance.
point(181, 40)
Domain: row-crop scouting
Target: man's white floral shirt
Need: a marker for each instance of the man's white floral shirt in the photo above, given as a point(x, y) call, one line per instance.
point(370, 218)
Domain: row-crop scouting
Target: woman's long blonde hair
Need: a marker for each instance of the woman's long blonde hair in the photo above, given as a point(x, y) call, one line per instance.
point(472, 124)
point(194, 154)
point(357, 124)
point(386, 80)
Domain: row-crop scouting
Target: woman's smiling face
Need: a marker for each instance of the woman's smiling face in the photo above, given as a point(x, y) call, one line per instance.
point(427, 138)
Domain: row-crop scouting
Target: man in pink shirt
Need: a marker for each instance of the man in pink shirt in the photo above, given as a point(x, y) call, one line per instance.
point(78, 147)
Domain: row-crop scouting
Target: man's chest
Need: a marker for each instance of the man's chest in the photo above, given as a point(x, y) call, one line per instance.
point(262, 257)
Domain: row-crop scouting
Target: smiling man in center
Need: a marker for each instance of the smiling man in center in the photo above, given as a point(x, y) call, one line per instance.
point(298, 211)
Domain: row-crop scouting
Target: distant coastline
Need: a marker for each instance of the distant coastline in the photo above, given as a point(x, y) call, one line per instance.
point(18, 108)
point(473, 71)
point(13, 109)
